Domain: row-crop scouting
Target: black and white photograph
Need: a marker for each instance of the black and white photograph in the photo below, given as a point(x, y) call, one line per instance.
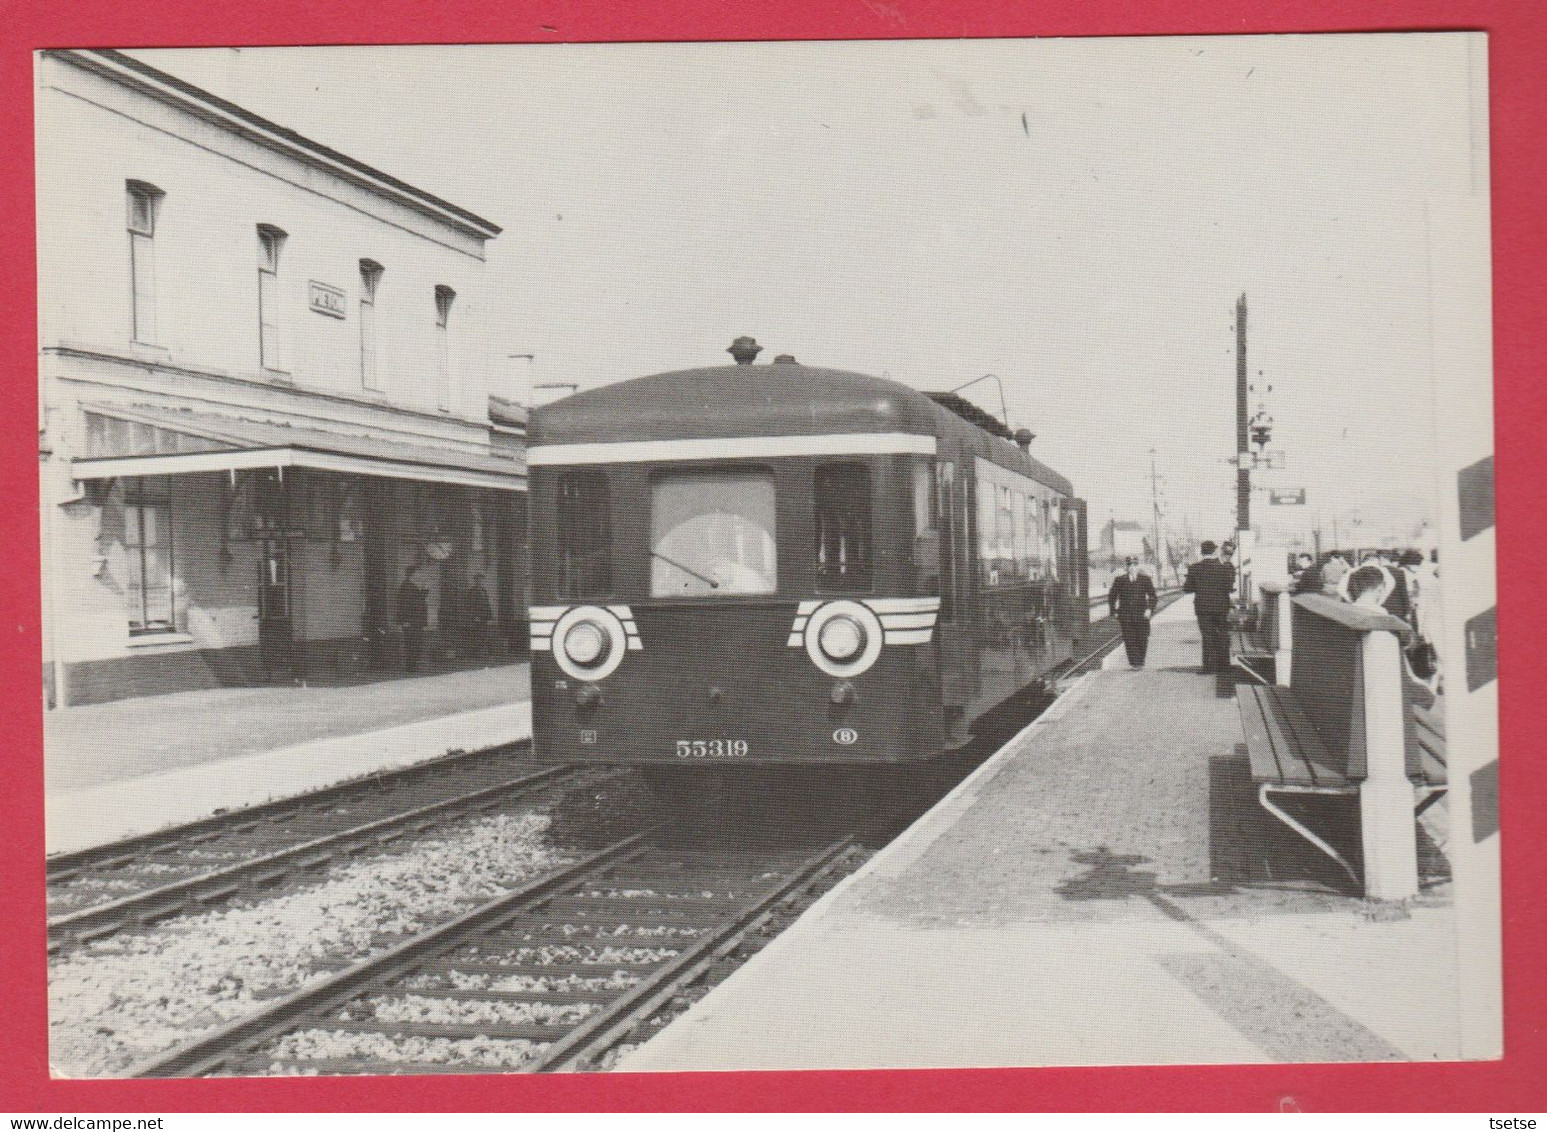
point(675, 557)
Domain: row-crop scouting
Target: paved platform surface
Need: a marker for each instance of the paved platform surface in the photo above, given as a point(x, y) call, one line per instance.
point(1095, 894)
point(118, 769)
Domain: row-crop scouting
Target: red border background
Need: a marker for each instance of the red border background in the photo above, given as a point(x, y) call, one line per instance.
point(1518, 61)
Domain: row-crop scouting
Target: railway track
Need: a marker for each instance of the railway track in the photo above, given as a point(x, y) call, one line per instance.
point(549, 976)
point(100, 891)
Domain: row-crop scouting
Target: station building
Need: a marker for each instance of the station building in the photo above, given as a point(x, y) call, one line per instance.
point(265, 390)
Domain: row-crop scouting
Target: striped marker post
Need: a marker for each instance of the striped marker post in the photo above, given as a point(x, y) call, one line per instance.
point(1458, 237)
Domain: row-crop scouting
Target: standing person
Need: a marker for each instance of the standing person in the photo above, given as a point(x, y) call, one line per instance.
point(1306, 578)
point(1132, 601)
point(413, 614)
point(1399, 602)
point(1211, 581)
point(1332, 572)
point(477, 616)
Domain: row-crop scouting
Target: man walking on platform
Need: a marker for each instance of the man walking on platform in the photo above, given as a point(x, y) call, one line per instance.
point(1132, 601)
point(1211, 581)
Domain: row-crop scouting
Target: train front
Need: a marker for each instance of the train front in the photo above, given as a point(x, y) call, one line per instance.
point(734, 566)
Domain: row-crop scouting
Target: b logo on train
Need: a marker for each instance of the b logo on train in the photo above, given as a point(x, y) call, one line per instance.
point(762, 564)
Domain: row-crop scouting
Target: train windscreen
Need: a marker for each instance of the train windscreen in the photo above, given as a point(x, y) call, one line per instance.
point(712, 534)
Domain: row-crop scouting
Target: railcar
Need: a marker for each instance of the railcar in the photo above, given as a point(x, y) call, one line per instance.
point(762, 564)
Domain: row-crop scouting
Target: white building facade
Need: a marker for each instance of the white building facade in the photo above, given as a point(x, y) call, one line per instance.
point(265, 380)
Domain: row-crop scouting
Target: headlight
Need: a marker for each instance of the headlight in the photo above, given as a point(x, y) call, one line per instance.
point(585, 642)
point(842, 638)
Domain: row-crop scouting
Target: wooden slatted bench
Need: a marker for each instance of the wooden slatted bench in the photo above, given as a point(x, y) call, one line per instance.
point(1250, 652)
point(1349, 707)
point(1288, 757)
point(1429, 738)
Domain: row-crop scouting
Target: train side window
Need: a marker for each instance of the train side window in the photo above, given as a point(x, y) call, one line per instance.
point(584, 520)
point(946, 481)
point(988, 533)
point(926, 528)
point(843, 548)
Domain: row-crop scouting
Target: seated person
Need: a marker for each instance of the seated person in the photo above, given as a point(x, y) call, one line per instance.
point(1367, 587)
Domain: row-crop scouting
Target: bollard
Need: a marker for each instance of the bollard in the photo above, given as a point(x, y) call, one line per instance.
point(1284, 652)
point(1386, 795)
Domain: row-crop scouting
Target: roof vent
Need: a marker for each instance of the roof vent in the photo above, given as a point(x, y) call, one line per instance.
point(1023, 439)
point(786, 360)
point(744, 350)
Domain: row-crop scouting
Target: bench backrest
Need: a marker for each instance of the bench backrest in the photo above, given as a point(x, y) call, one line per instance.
point(1268, 616)
point(1328, 678)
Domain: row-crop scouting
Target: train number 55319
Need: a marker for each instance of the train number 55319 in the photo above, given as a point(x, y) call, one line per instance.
point(712, 748)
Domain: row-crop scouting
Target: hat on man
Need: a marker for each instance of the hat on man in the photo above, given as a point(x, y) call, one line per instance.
point(1130, 561)
point(1209, 547)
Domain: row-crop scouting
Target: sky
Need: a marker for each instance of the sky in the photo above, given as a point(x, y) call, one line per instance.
point(1077, 217)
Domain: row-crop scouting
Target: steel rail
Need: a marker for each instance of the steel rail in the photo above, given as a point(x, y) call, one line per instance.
point(221, 883)
point(638, 1004)
point(62, 866)
point(233, 1040)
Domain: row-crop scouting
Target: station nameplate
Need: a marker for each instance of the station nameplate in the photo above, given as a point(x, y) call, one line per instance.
point(325, 299)
point(1290, 495)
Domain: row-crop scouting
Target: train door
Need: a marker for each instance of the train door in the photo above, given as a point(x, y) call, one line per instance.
point(958, 654)
point(1079, 569)
point(1074, 612)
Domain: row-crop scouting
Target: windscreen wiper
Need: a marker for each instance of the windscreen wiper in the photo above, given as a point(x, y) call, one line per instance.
point(714, 585)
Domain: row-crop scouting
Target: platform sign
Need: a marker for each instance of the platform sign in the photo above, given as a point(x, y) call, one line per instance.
point(1273, 460)
point(1287, 496)
point(1457, 607)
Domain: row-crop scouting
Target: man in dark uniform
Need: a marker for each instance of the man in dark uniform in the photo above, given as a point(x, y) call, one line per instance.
point(1132, 601)
point(413, 614)
point(1211, 580)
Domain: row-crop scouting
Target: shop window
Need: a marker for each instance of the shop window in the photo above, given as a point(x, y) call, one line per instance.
point(271, 242)
point(712, 534)
point(584, 521)
point(844, 554)
point(144, 202)
point(148, 541)
point(370, 278)
point(444, 297)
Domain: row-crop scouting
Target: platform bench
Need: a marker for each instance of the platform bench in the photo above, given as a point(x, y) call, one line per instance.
point(1312, 738)
point(1250, 652)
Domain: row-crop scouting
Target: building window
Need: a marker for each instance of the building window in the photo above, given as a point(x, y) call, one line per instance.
point(370, 277)
point(444, 297)
point(144, 201)
point(271, 241)
point(148, 540)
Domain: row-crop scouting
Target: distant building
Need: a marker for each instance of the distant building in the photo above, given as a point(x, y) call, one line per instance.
point(265, 389)
point(1119, 539)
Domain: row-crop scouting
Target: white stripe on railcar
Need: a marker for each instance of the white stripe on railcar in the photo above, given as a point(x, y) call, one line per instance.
point(902, 604)
point(732, 448)
point(908, 636)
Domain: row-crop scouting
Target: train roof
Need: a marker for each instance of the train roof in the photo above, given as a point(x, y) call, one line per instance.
point(783, 398)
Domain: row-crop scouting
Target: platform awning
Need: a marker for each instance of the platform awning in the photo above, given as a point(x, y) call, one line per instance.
point(158, 442)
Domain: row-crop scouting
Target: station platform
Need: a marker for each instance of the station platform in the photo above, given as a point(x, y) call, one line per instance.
point(1091, 895)
point(118, 769)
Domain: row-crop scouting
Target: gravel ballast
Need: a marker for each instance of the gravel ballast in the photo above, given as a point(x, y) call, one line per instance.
point(117, 1002)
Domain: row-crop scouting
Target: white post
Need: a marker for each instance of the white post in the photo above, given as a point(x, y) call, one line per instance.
point(1283, 656)
point(1386, 795)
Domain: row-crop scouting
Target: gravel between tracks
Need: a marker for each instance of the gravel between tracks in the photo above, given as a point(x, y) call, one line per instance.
point(131, 996)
